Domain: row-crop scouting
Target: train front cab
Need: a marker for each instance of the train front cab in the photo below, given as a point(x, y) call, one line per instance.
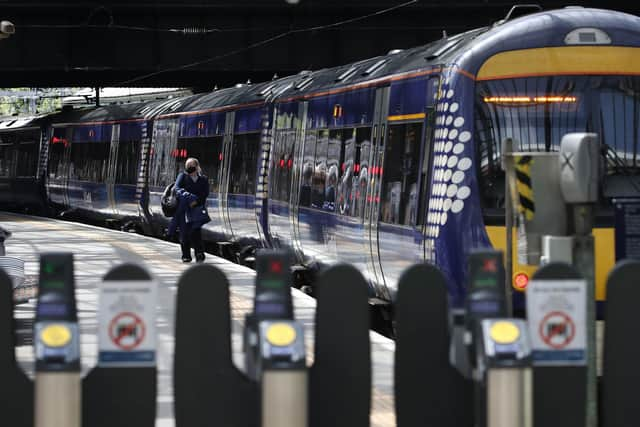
point(535, 97)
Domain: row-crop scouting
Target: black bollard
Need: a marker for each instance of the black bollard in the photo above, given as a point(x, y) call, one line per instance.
point(208, 389)
point(121, 396)
point(559, 392)
point(620, 369)
point(340, 379)
point(16, 389)
point(429, 391)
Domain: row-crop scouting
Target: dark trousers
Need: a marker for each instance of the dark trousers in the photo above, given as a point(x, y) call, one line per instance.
point(192, 238)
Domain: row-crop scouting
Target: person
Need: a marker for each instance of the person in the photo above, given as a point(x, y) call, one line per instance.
point(192, 190)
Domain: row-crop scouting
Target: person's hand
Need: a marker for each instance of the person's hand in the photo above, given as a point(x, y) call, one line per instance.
point(193, 204)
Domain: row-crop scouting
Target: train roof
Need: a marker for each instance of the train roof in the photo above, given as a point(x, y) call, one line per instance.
point(13, 123)
point(549, 29)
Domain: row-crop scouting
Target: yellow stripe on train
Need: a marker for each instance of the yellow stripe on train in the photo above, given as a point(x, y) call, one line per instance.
point(604, 256)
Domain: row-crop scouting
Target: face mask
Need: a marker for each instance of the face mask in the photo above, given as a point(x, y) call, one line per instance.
point(191, 169)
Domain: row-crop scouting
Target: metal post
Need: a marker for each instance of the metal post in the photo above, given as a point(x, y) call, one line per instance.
point(507, 161)
point(58, 399)
point(508, 397)
point(584, 261)
point(97, 96)
point(504, 360)
point(284, 398)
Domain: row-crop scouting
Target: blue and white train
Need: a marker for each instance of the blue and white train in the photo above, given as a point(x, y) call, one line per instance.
point(381, 163)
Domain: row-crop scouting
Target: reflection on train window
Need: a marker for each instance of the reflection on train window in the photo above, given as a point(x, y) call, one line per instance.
point(399, 198)
point(335, 158)
point(19, 154)
point(244, 163)
point(319, 177)
point(88, 161)
point(352, 184)
point(208, 151)
point(57, 147)
point(164, 157)
point(282, 163)
point(358, 206)
point(308, 167)
point(538, 111)
point(127, 163)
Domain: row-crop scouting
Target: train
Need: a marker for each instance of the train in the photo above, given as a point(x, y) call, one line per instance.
point(381, 163)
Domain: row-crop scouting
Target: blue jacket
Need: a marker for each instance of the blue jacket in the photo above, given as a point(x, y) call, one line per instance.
point(188, 191)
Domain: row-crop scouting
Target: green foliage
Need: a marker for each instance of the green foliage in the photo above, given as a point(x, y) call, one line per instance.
point(27, 101)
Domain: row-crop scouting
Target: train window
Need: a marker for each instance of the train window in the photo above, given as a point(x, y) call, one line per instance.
point(319, 177)
point(27, 157)
point(164, 155)
point(350, 193)
point(282, 163)
point(308, 167)
point(399, 199)
point(538, 111)
point(335, 158)
point(88, 161)
point(19, 154)
point(362, 180)
point(6, 158)
point(56, 153)
point(208, 151)
point(127, 163)
point(244, 163)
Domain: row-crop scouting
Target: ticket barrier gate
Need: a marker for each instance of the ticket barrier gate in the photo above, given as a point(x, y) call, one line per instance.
point(279, 389)
point(105, 397)
point(497, 347)
point(58, 389)
point(274, 345)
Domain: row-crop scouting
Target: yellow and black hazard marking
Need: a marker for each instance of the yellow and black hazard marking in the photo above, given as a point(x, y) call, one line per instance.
point(523, 185)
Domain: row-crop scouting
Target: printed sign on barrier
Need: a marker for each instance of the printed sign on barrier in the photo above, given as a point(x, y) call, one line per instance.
point(126, 332)
point(557, 321)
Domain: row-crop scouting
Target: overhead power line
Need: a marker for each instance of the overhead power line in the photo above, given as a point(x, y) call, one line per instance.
point(266, 41)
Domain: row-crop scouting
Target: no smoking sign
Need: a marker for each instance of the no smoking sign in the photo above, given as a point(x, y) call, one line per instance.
point(556, 312)
point(127, 331)
point(557, 330)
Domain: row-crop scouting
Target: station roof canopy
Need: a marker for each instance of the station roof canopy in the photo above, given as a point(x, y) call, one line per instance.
point(204, 43)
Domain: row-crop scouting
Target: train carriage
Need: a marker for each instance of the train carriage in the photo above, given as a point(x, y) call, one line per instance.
point(381, 163)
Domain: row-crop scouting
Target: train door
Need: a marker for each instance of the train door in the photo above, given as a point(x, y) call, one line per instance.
point(225, 172)
point(372, 200)
point(111, 170)
point(296, 181)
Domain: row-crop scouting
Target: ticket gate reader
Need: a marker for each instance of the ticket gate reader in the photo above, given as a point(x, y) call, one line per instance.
point(57, 345)
point(272, 301)
point(283, 366)
point(504, 362)
point(486, 298)
point(274, 345)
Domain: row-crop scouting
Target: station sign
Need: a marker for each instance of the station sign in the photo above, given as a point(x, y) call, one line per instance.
point(627, 228)
point(126, 329)
point(557, 317)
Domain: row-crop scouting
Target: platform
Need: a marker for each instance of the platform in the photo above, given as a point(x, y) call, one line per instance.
point(96, 250)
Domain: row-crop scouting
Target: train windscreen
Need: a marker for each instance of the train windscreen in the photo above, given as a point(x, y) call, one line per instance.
point(538, 111)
